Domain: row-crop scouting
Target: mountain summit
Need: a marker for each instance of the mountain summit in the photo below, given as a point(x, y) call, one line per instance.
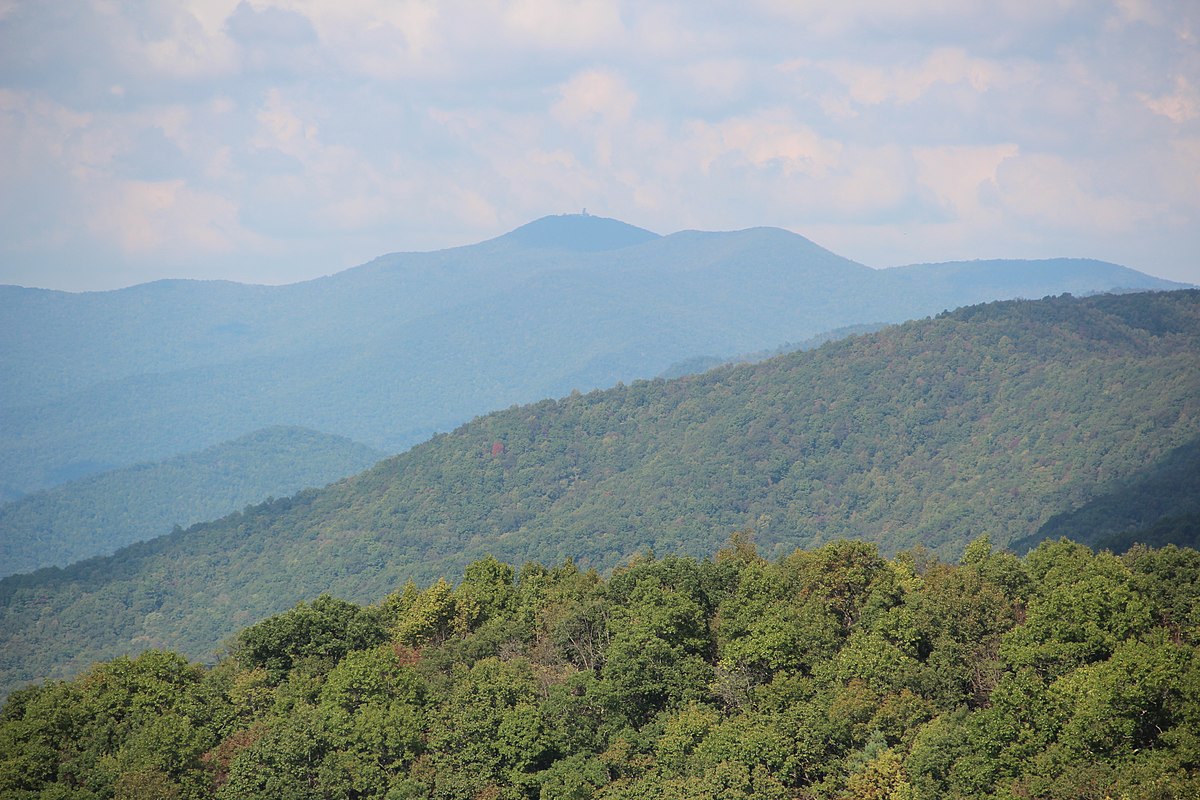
point(580, 233)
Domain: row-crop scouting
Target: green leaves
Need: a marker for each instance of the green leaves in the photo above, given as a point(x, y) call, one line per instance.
point(826, 674)
point(324, 631)
point(1082, 608)
point(1126, 703)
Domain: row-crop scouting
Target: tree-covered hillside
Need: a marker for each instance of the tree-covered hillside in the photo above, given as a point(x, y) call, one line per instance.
point(989, 420)
point(101, 513)
point(1168, 490)
point(831, 674)
point(389, 352)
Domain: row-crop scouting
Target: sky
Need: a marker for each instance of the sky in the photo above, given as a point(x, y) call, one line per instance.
point(272, 142)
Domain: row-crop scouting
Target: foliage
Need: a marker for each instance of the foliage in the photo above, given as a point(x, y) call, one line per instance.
point(674, 678)
point(1159, 506)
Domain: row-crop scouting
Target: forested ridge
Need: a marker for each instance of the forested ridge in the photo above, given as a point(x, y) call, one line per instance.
point(101, 513)
point(827, 673)
point(990, 419)
point(412, 343)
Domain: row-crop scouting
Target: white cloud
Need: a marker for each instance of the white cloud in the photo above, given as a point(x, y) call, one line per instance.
point(872, 85)
point(35, 132)
point(595, 105)
point(381, 39)
point(767, 140)
point(928, 19)
point(716, 80)
point(672, 31)
point(157, 218)
point(594, 95)
point(1051, 192)
point(311, 134)
point(280, 128)
point(957, 174)
point(212, 14)
point(1128, 11)
point(179, 45)
point(564, 25)
point(1180, 106)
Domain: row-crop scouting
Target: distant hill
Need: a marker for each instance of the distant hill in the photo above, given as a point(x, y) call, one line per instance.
point(100, 513)
point(1182, 530)
point(698, 364)
point(1040, 277)
point(988, 420)
point(389, 352)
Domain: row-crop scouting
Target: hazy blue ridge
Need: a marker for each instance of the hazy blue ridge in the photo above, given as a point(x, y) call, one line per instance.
point(577, 232)
point(101, 513)
point(412, 343)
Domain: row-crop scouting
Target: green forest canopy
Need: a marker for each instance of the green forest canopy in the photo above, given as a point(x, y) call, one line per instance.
point(829, 673)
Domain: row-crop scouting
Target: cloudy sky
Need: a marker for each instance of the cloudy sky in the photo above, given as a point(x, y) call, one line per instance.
point(273, 141)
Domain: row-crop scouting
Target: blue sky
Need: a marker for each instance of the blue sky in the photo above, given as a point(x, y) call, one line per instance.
point(272, 142)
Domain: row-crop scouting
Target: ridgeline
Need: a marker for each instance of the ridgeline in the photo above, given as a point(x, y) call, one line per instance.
point(389, 352)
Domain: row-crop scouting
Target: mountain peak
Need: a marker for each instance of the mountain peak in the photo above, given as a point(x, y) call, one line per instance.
point(577, 232)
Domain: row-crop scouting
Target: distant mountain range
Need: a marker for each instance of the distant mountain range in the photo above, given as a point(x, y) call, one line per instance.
point(988, 420)
point(391, 351)
point(97, 514)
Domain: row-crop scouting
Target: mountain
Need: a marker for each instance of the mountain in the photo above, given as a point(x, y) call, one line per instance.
point(390, 352)
point(987, 420)
point(943, 282)
point(1182, 530)
point(100, 513)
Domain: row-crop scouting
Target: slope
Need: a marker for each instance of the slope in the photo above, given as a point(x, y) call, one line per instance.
point(389, 352)
point(987, 420)
point(1158, 506)
point(100, 513)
